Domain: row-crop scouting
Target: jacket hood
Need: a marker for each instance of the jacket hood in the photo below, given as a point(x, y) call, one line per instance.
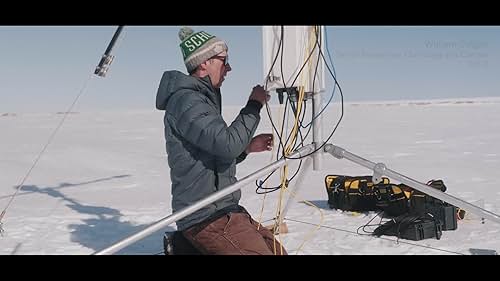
point(173, 81)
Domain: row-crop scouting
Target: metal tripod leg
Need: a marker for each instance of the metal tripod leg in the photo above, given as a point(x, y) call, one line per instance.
point(293, 191)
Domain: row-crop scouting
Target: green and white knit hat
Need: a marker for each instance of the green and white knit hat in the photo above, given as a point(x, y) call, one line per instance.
point(199, 47)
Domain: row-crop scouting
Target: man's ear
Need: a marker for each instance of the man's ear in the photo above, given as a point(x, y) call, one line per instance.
point(203, 66)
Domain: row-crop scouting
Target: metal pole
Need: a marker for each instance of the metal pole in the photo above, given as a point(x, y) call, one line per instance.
point(113, 40)
point(380, 170)
point(297, 185)
point(317, 136)
point(317, 104)
point(202, 203)
point(107, 58)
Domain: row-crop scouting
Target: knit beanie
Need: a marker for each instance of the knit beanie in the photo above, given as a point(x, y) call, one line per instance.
point(199, 47)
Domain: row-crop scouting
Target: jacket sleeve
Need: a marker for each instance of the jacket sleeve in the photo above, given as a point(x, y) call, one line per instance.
point(201, 124)
point(242, 157)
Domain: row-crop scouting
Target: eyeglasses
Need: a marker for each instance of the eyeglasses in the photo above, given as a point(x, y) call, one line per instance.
point(224, 59)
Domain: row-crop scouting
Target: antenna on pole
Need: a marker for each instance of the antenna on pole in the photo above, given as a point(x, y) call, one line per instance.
point(107, 58)
point(100, 70)
point(300, 57)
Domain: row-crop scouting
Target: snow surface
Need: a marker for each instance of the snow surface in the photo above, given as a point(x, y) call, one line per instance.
point(105, 177)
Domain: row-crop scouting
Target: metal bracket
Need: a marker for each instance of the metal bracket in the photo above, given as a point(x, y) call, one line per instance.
point(378, 172)
point(272, 78)
point(103, 66)
point(293, 94)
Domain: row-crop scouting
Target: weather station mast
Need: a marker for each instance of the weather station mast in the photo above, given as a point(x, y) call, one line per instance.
point(300, 48)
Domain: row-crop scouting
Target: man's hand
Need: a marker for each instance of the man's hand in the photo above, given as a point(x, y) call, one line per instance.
point(262, 142)
point(259, 94)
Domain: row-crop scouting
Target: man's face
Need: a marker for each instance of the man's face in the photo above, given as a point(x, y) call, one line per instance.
point(218, 67)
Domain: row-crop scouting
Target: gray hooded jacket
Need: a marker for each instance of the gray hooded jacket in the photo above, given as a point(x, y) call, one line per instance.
point(202, 149)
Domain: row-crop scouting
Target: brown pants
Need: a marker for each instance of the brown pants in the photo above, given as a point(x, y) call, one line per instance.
point(233, 234)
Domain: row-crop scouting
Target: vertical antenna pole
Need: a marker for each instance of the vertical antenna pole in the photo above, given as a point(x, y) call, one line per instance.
point(317, 102)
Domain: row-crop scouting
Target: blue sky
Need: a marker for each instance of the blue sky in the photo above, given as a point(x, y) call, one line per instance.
point(42, 68)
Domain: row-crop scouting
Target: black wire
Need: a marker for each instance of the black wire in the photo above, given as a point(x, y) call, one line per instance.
point(280, 44)
point(282, 146)
point(334, 86)
point(317, 62)
point(313, 86)
point(267, 79)
point(296, 171)
point(282, 129)
point(341, 116)
point(294, 110)
point(309, 126)
point(285, 87)
point(299, 144)
point(271, 189)
point(268, 189)
point(384, 238)
point(295, 146)
point(305, 63)
point(302, 137)
point(301, 120)
point(341, 94)
point(368, 224)
point(297, 76)
point(259, 185)
point(302, 68)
